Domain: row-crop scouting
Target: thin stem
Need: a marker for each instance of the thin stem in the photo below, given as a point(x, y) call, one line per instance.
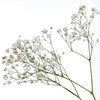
point(64, 88)
point(94, 96)
point(80, 54)
point(91, 75)
point(67, 79)
point(75, 83)
point(90, 50)
point(70, 91)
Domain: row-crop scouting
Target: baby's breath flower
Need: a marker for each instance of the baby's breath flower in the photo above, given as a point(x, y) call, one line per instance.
point(59, 30)
point(7, 51)
point(66, 34)
point(74, 16)
point(80, 8)
point(97, 12)
point(8, 82)
point(49, 36)
point(36, 40)
point(84, 6)
point(35, 62)
point(93, 9)
point(18, 83)
point(5, 77)
point(65, 29)
point(45, 31)
point(26, 41)
point(17, 65)
point(18, 41)
point(10, 72)
point(18, 75)
point(31, 81)
point(79, 38)
point(92, 16)
point(63, 53)
point(92, 42)
point(86, 23)
point(58, 56)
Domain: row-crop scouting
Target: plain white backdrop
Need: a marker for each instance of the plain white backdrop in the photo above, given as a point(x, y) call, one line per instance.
point(27, 18)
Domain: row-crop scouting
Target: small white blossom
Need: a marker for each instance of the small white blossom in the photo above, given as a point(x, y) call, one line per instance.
point(5, 77)
point(26, 41)
point(86, 23)
point(36, 39)
point(58, 56)
point(63, 53)
point(59, 30)
point(65, 29)
point(8, 82)
point(81, 33)
point(74, 16)
point(83, 6)
point(49, 36)
point(97, 12)
point(18, 83)
point(66, 34)
point(10, 72)
point(35, 62)
point(19, 41)
point(7, 51)
point(45, 31)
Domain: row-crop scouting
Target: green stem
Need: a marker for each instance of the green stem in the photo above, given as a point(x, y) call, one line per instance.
point(64, 88)
point(90, 50)
point(91, 75)
point(76, 83)
point(80, 54)
point(69, 80)
point(70, 91)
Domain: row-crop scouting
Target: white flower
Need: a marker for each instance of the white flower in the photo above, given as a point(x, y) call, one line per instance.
point(59, 30)
point(8, 82)
point(5, 77)
point(10, 72)
point(74, 16)
point(36, 39)
point(83, 6)
point(26, 41)
point(19, 41)
point(35, 62)
point(49, 36)
point(14, 45)
point(63, 53)
point(81, 33)
point(97, 12)
point(58, 56)
point(18, 83)
point(66, 34)
point(7, 51)
point(86, 23)
point(45, 31)
point(65, 29)
point(39, 75)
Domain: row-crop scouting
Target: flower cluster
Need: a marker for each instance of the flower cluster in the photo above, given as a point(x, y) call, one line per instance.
point(31, 61)
point(80, 29)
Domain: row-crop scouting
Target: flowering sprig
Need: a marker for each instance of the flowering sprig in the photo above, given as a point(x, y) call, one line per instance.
point(31, 61)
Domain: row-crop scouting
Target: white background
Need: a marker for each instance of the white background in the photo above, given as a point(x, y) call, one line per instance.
point(27, 18)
